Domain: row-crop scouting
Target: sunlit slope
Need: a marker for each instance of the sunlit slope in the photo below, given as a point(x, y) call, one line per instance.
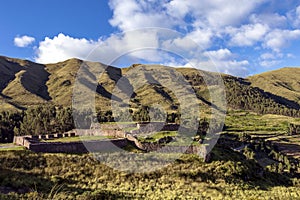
point(284, 82)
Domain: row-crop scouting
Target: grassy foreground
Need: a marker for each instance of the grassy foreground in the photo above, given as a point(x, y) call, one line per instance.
point(63, 176)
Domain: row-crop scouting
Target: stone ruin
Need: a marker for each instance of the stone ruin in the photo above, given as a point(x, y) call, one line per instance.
point(146, 128)
point(33, 143)
point(113, 130)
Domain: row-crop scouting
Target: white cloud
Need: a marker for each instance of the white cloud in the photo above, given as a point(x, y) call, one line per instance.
point(265, 56)
point(225, 62)
point(135, 44)
point(63, 47)
point(202, 37)
point(194, 39)
point(247, 35)
point(204, 16)
point(277, 39)
point(231, 12)
point(268, 59)
point(297, 17)
point(294, 17)
point(290, 55)
point(207, 20)
point(237, 68)
point(213, 13)
point(269, 63)
point(139, 14)
point(233, 67)
point(212, 24)
point(23, 41)
point(273, 20)
point(221, 54)
point(179, 8)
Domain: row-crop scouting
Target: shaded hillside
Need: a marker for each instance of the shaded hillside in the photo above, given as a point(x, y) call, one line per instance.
point(24, 83)
point(240, 94)
point(284, 82)
point(61, 79)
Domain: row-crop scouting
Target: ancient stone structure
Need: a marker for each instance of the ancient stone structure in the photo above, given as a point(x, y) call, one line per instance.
point(122, 139)
point(78, 147)
point(32, 143)
point(144, 128)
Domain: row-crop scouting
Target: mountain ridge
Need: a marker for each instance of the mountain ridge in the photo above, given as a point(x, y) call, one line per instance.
point(24, 83)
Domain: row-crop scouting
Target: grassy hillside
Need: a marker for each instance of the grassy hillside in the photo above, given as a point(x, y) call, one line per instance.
point(240, 94)
point(24, 83)
point(283, 82)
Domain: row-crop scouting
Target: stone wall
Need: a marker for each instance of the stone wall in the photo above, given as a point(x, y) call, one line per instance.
point(170, 127)
point(32, 143)
point(117, 131)
point(78, 147)
point(154, 127)
point(18, 140)
point(95, 132)
point(24, 140)
point(117, 126)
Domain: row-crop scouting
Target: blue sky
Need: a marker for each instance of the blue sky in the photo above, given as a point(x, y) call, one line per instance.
point(241, 37)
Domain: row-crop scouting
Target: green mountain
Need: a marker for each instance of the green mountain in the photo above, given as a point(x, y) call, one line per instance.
point(24, 83)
